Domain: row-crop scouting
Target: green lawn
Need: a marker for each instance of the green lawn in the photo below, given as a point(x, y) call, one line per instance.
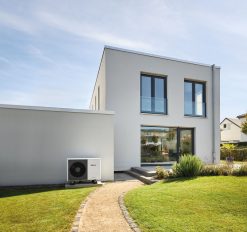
point(40, 209)
point(201, 204)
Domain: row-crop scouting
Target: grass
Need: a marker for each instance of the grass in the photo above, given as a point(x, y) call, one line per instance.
point(39, 209)
point(200, 204)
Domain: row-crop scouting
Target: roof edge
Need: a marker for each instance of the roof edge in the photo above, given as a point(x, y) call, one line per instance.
point(157, 56)
point(91, 99)
point(54, 109)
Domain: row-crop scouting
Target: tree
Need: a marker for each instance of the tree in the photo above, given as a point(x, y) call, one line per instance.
point(244, 126)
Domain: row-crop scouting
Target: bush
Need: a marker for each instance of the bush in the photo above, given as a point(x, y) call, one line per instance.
point(238, 154)
point(208, 170)
point(188, 166)
point(241, 171)
point(161, 173)
point(216, 170)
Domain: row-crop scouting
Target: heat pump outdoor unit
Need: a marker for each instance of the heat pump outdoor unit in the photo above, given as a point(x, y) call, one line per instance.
point(83, 169)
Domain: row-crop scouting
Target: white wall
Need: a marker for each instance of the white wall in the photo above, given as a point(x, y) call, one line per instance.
point(123, 96)
point(99, 83)
point(243, 137)
point(35, 143)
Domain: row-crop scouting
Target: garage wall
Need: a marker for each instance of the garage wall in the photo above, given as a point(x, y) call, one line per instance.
point(35, 143)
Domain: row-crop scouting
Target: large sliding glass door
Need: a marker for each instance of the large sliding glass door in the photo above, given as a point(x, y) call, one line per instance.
point(158, 144)
point(164, 144)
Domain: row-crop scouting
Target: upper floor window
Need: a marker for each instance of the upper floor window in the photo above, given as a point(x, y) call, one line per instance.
point(153, 94)
point(194, 98)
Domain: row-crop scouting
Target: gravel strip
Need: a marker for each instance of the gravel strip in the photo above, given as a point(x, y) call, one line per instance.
point(76, 223)
point(102, 213)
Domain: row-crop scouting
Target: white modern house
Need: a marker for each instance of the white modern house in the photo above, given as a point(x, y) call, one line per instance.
point(145, 110)
point(231, 130)
point(163, 107)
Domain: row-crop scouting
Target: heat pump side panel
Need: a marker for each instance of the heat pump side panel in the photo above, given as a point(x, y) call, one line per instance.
point(94, 169)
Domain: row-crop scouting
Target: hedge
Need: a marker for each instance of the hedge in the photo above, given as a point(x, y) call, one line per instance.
point(238, 154)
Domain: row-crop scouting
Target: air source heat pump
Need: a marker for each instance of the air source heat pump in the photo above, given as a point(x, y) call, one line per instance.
point(83, 169)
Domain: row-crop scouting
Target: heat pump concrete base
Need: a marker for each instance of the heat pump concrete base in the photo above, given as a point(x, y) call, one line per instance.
point(83, 185)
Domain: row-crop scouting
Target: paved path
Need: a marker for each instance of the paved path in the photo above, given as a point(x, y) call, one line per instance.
point(102, 212)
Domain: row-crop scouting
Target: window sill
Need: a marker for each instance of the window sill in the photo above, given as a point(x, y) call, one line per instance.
point(154, 114)
point(194, 116)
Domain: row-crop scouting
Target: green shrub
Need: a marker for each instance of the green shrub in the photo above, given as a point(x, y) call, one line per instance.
point(238, 154)
point(216, 170)
point(241, 171)
point(188, 166)
point(161, 173)
point(228, 146)
point(208, 170)
point(223, 170)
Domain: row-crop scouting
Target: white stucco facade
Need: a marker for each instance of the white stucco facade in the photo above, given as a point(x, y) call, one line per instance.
point(35, 143)
point(121, 93)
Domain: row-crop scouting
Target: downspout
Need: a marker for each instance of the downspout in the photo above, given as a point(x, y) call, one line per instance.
point(213, 115)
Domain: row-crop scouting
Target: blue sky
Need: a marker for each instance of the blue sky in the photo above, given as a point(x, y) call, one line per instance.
point(50, 50)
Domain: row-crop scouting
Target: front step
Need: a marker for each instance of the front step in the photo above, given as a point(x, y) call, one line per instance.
point(143, 171)
point(144, 179)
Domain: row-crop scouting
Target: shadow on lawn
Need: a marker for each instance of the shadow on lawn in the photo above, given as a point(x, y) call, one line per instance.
point(12, 191)
point(180, 179)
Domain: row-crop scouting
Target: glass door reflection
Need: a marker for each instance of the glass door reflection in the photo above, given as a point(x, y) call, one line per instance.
point(186, 141)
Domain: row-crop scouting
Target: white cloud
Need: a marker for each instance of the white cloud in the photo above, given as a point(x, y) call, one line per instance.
point(89, 31)
point(16, 22)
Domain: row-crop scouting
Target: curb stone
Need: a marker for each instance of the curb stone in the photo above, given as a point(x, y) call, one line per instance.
point(126, 215)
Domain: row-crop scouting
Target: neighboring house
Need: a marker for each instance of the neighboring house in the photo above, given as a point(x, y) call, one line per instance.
point(231, 130)
point(145, 110)
point(163, 107)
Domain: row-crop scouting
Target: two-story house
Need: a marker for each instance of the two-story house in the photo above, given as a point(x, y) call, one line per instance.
point(145, 110)
point(163, 107)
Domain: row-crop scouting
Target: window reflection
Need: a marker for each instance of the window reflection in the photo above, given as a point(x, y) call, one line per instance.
point(194, 98)
point(158, 144)
point(153, 94)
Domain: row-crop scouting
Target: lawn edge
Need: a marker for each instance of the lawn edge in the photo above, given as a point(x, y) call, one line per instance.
point(126, 214)
point(78, 217)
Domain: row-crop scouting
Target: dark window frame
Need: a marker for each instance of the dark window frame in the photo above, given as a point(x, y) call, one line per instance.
point(153, 77)
point(193, 98)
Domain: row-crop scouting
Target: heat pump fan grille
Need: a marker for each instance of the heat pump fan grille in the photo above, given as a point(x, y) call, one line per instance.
point(77, 169)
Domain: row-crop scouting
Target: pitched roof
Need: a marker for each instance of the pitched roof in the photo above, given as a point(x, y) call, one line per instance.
point(235, 121)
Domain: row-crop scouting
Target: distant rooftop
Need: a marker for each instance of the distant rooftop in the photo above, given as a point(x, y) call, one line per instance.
point(158, 56)
point(242, 115)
